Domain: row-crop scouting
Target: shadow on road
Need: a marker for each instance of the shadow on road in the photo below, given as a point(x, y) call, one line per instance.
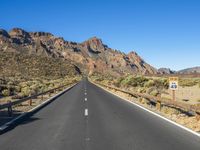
point(4, 117)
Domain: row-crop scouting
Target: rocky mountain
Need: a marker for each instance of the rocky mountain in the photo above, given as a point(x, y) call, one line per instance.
point(32, 66)
point(89, 56)
point(190, 70)
point(165, 71)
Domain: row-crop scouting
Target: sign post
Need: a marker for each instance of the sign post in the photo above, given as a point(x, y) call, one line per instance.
point(173, 85)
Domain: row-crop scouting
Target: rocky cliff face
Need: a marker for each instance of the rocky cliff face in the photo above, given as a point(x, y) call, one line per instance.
point(90, 56)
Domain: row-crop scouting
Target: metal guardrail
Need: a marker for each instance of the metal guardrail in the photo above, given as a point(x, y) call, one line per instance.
point(160, 101)
point(9, 104)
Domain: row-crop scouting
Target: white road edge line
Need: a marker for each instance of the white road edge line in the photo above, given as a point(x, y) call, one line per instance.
point(162, 117)
point(86, 112)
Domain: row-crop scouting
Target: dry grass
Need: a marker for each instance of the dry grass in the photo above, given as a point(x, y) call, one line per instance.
point(22, 88)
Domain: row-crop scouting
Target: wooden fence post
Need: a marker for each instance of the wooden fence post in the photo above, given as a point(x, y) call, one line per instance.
point(158, 105)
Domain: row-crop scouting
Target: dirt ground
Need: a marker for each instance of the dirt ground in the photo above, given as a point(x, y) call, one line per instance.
point(189, 95)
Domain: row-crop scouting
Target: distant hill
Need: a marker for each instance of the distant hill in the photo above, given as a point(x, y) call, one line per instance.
point(89, 56)
point(165, 71)
point(190, 70)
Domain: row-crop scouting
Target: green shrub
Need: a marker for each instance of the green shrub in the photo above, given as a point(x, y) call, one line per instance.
point(10, 83)
point(26, 91)
point(139, 81)
point(141, 90)
point(189, 82)
point(6, 92)
point(117, 82)
point(17, 89)
point(154, 92)
point(134, 81)
point(149, 83)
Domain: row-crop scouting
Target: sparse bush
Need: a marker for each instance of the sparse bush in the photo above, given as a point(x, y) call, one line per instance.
point(168, 110)
point(139, 81)
point(155, 92)
point(35, 88)
point(161, 83)
point(17, 89)
point(10, 83)
point(6, 92)
point(134, 81)
point(44, 88)
point(117, 82)
point(141, 90)
point(26, 91)
point(188, 82)
point(149, 83)
point(126, 81)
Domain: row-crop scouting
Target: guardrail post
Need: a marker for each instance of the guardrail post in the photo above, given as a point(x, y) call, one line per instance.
point(158, 105)
point(10, 111)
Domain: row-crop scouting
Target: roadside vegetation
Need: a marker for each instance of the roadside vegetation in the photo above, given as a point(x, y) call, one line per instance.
point(20, 88)
point(189, 82)
point(24, 75)
point(150, 85)
point(141, 84)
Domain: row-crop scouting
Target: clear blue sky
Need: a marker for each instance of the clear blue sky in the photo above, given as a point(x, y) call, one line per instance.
point(166, 33)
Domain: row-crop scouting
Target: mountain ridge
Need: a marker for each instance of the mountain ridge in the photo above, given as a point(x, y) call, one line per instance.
point(90, 56)
point(190, 70)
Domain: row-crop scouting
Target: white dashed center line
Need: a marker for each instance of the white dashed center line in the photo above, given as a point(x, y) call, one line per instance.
point(85, 99)
point(86, 112)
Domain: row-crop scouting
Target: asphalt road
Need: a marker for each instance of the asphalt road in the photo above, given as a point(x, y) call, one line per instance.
point(100, 122)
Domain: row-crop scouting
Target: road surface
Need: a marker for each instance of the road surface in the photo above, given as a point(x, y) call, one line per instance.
point(89, 118)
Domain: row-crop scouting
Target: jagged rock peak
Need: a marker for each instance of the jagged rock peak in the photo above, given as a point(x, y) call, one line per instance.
point(133, 53)
point(18, 32)
point(4, 33)
point(41, 34)
point(165, 71)
point(135, 56)
point(94, 44)
point(95, 40)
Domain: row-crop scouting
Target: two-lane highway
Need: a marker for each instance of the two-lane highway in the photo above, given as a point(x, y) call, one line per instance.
point(89, 118)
